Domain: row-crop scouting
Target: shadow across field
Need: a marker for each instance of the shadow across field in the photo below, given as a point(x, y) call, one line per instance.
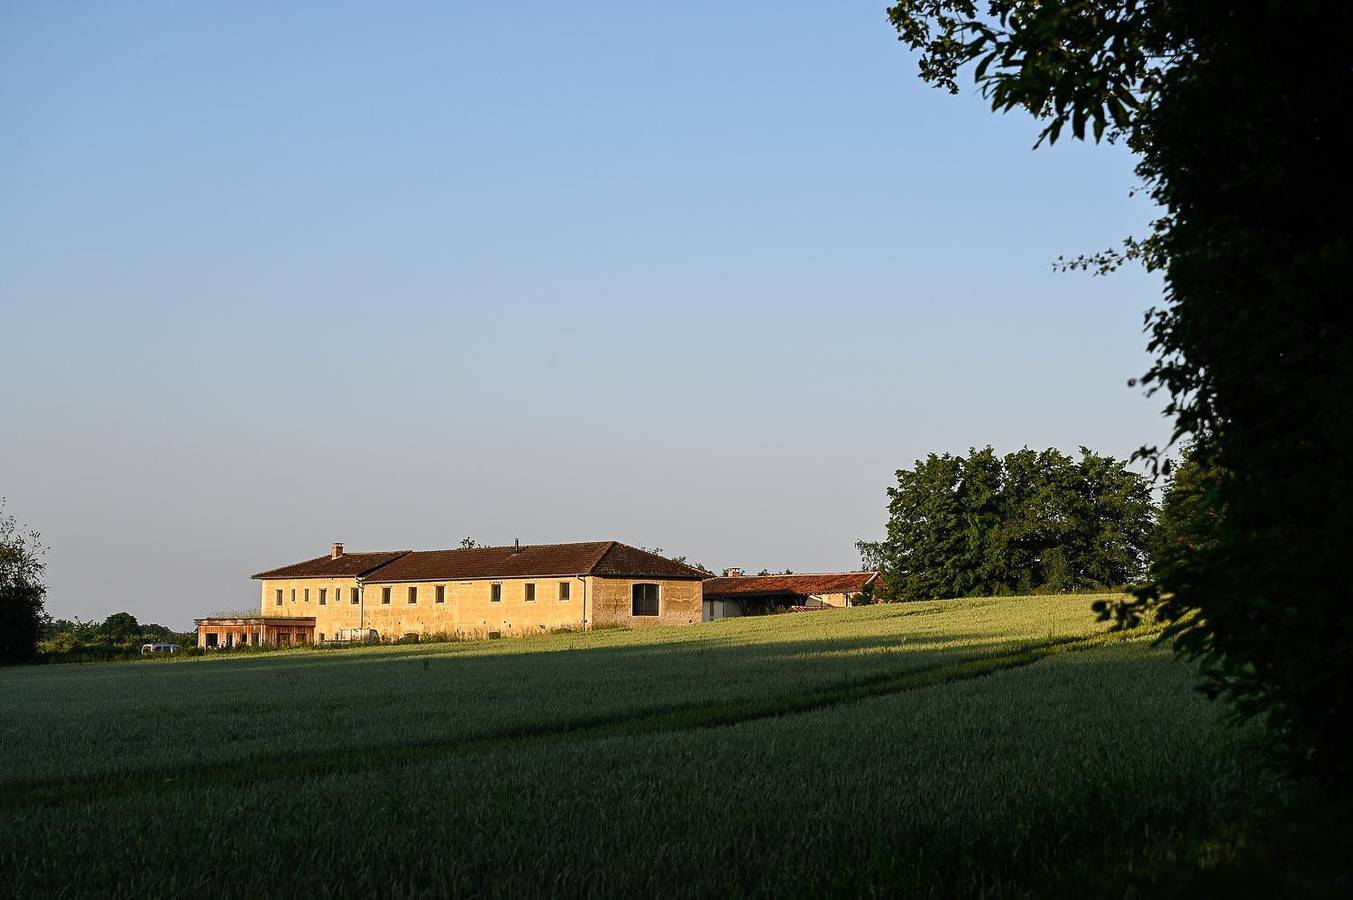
point(652, 718)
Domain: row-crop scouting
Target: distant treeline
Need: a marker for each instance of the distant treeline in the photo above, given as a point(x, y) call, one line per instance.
point(1028, 522)
point(119, 636)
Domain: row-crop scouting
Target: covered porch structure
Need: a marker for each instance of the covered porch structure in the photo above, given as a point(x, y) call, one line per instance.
point(223, 632)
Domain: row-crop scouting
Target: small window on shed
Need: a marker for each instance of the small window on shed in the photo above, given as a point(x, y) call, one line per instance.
point(278, 595)
point(413, 594)
point(644, 600)
point(564, 587)
point(441, 593)
point(530, 596)
point(385, 596)
point(495, 592)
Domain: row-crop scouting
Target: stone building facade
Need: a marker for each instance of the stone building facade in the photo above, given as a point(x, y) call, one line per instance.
point(478, 592)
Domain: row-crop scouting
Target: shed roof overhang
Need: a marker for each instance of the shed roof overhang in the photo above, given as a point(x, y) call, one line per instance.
point(283, 621)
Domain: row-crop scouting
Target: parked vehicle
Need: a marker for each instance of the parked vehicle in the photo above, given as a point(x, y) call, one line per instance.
point(159, 647)
point(356, 635)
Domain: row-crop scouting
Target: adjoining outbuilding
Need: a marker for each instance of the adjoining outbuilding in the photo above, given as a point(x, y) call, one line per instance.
point(224, 632)
point(736, 594)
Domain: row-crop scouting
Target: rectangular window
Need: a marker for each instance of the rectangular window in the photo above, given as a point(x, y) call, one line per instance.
point(413, 594)
point(495, 592)
point(293, 595)
point(322, 592)
point(644, 600)
point(530, 592)
point(563, 591)
point(321, 634)
point(441, 593)
point(356, 597)
point(279, 596)
point(307, 595)
point(385, 596)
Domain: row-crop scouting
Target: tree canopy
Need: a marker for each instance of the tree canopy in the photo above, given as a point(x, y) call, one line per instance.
point(1237, 113)
point(119, 636)
point(21, 589)
point(1028, 522)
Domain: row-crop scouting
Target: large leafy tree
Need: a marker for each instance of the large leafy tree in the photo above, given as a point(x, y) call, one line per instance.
point(21, 590)
point(1237, 113)
point(1031, 521)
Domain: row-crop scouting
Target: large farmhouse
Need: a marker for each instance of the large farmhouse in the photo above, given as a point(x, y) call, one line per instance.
point(484, 591)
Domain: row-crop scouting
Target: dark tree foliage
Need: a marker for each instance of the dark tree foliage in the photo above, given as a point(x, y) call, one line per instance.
point(1030, 522)
point(119, 636)
point(1238, 115)
point(21, 590)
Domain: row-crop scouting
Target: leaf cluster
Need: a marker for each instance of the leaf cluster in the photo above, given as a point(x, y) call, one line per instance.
point(22, 589)
point(1028, 522)
point(1237, 113)
point(119, 636)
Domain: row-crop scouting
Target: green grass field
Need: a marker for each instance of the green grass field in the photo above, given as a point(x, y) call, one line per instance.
point(1000, 747)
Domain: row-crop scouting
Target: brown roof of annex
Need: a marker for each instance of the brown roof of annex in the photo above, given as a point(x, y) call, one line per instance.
point(341, 565)
point(801, 585)
point(604, 558)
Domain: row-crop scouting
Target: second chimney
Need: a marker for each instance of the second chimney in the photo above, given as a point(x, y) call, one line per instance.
point(335, 551)
point(516, 545)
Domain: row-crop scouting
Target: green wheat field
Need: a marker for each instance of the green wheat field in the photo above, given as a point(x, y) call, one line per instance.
point(987, 747)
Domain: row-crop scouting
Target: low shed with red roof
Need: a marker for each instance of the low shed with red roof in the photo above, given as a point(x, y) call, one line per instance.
point(741, 595)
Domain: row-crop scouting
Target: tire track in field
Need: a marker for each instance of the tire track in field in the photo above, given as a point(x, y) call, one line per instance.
point(680, 717)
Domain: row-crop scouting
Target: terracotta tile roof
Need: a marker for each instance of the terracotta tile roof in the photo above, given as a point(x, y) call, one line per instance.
point(346, 565)
point(796, 585)
point(605, 558)
point(624, 561)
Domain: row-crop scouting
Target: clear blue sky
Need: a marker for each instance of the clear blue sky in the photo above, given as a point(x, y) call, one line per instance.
point(694, 275)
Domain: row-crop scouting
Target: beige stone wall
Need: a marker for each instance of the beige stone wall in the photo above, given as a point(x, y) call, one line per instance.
point(330, 617)
point(832, 599)
point(679, 602)
point(468, 608)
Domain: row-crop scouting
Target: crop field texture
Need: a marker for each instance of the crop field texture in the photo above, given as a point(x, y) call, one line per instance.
point(994, 747)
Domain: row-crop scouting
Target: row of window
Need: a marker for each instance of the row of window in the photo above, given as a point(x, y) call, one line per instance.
point(643, 597)
point(323, 596)
point(495, 593)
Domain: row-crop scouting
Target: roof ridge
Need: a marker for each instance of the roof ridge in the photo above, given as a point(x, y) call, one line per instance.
point(381, 559)
point(795, 574)
point(606, 551)
point(524, 546)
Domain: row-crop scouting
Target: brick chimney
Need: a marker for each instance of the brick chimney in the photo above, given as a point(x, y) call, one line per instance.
point(516, 545)
point(335, 551)
point(732, 573)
